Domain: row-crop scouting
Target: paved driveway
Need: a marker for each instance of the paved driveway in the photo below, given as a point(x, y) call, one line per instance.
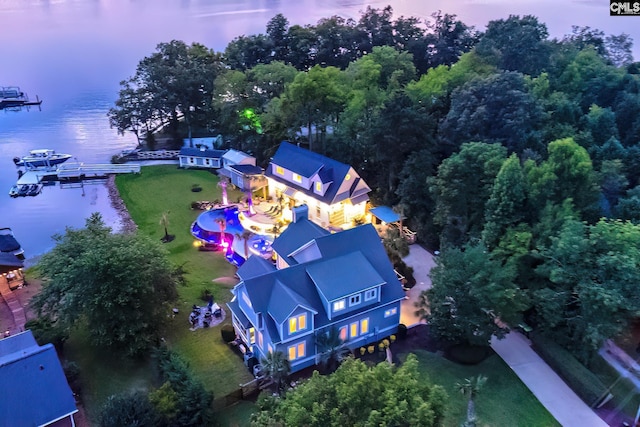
point(422, 262)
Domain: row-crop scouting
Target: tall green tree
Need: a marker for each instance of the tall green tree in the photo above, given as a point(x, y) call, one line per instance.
point(471, 387)
point(461, 189)
point(592, 273)
point(277, 367)
point(470, 291)
point(358, 395)
point(506, 206)
point(118, 285)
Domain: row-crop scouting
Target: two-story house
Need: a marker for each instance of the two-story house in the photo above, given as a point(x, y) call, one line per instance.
point(321, 281)
point(334, 191)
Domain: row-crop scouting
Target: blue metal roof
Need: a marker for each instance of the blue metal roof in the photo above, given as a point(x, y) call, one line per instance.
point(247, 169)
point(197, 152)
point(255, 266)
point(385, 213)
point(306, 163)
point(33, 387)
point(344, 275)
point(296, 235)
point(351, 260)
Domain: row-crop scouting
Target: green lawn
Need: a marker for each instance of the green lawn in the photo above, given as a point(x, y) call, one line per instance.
point(166, 188)
point(504, 400)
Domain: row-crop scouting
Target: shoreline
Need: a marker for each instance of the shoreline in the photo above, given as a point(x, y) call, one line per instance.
point(127, 224)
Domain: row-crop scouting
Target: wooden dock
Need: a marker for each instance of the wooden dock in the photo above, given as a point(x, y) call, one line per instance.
point(74, 171)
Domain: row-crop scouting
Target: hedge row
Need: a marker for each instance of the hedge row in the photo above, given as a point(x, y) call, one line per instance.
point(580, 379)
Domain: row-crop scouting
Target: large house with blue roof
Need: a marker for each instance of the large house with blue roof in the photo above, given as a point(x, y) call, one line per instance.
point(320, 281)
point(34, 390)
point(334, 192)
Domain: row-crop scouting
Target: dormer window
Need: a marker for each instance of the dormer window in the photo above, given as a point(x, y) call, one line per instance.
point(297, 323)
point(318, 187)
point(354, 300)
point(297, 178)
point(339, 305)
point(370, 294)
point(279, 170)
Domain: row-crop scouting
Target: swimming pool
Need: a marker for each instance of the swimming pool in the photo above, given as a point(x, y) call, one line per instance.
point(209, 224)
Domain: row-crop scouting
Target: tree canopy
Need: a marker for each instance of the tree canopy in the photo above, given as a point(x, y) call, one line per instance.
point(358, 395)
point(118, 285)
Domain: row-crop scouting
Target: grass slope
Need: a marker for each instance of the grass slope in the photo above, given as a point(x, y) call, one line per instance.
point(503, 401)
point(165, 188)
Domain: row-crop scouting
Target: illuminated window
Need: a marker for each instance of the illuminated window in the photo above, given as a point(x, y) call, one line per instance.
point(260, 343)
point(364, 326)
point(354, 300)
point(296, 351)
point(354, 330)
point(252, 336)
point(302, 321)
point(297, 323)
point(339, 305)
point(390, 312)
point(279, 170)
point(347, 177)
point(343, 333)
point(297, 178)
point(370, 294)
point(318, 187)
point(318, 212)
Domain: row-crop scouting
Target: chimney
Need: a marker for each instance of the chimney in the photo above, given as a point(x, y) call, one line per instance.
point(300, 212)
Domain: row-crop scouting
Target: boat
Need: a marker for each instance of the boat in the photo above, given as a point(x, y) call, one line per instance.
point(41, 158)
point(34, 189)
point(9, 244)
point(14, 192)
point(23, 190)
point(12, 98)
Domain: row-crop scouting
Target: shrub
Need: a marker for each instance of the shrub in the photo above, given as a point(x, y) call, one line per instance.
point(128, 409)
point(205, 294)
point(196, 188)
point(402, 331)
point(581, 380)
point(469, 354)
point(228, 333)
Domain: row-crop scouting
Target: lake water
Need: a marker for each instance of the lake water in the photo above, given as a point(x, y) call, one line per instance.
point(74, 53)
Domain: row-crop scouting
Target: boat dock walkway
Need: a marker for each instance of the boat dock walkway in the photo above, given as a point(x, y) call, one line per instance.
point(70, 171)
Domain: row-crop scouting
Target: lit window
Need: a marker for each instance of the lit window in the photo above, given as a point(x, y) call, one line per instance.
point(354, 300)
point(343, 333)
point(252, 336)
point(347, 177)
point(338, 305)
point(354, 330)
point(318, 212)
point(302, 321)
point(297, 178)
point(297, 323)
point(318, 187)
point(364, 326)
point(279, 170)
point(370, 294)
point(296, 351)
point(260, 343)
point(390, 312)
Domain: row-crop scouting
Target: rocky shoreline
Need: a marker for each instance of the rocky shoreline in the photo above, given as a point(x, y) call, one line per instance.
point(128, 226)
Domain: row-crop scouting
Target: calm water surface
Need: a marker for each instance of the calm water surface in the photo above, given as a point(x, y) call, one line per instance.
point(74, 53)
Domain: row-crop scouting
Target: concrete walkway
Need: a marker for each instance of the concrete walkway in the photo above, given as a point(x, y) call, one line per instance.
point(567, 408)
point(422, 262)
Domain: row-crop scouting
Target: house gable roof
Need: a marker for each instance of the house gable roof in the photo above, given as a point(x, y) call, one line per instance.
point(352, 261)
point(296, 235)
point(246, 169)
point(236, 157)
point(307, 163)
point(35, 391)
point(197, 152)
point(284, 301)
point(344, 275)
point(254, 266)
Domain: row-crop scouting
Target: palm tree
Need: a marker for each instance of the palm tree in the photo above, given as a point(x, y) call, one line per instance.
point(223, 226)
point(223, 184)
point(471, 387)
point(331, 348)
point(276, 366)
point(164, 221)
